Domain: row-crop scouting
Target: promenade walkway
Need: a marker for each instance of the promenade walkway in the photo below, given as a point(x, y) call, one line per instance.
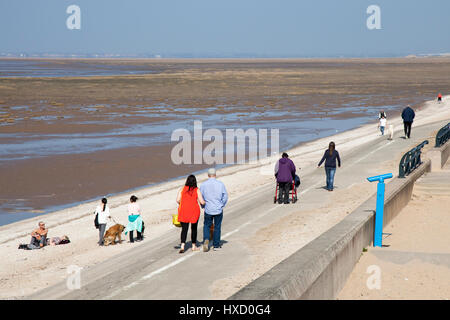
point(257, 234)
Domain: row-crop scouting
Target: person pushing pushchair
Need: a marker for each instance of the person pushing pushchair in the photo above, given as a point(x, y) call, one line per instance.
point(285, 174)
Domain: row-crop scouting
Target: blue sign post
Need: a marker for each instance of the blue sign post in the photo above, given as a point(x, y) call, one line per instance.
point(381, 187)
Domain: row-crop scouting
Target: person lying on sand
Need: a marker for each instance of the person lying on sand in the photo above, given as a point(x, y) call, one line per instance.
point(57, 240)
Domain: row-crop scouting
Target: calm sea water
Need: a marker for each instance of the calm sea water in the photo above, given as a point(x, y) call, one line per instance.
point(66, 68)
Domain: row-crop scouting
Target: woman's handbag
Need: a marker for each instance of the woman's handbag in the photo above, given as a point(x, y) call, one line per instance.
point(175, 221)
point(96, 221)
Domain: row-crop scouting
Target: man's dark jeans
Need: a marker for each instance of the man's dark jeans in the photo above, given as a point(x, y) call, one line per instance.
point(35, 243)
point(217, 226)
point(407, 127)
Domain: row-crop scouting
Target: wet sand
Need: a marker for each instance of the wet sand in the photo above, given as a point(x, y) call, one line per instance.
point(135, 115)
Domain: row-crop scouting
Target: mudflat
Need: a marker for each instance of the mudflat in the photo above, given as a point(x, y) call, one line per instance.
point(131, 117)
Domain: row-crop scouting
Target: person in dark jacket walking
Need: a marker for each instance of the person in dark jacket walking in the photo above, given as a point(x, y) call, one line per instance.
point(330, 156)
point(408, 117)
point(285, 173)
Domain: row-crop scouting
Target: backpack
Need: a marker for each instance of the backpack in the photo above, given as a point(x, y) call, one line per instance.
point(297, 181)
point(96, 221)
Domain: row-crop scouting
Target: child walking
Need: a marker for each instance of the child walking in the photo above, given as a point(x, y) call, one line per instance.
point(382, 124)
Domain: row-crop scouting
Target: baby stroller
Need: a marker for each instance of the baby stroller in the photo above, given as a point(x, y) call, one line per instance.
point(292, 191)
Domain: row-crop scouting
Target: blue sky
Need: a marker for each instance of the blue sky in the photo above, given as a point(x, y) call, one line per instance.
point(227, 27)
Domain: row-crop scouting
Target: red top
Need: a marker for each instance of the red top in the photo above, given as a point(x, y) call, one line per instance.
point(439, 95)
point(188, 210)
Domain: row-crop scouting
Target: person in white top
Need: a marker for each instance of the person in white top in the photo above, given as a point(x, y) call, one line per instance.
point(135, 210)
point(133, 207)
point(382, 124)
point(103, 217)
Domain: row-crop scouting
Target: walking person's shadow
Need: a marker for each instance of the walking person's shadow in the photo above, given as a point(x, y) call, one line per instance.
point(325, 188)
point(188, 245)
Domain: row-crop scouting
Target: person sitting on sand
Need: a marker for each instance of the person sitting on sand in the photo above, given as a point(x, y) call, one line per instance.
point(38, 238)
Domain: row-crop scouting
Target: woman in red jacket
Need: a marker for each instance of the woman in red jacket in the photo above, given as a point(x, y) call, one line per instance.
point(189, 198)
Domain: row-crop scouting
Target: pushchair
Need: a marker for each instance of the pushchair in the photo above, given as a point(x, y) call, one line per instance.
point(292, 191)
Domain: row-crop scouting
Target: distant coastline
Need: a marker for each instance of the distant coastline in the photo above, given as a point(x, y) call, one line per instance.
point(155, 56)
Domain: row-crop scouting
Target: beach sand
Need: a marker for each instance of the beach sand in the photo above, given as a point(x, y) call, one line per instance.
point(24, 272)
point(415, 260)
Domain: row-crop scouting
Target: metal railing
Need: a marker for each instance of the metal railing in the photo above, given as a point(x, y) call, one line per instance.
point(411, 160)
point(443, 135)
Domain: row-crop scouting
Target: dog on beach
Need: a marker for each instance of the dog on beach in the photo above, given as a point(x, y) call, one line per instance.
point(114, 232)
point(391, 132)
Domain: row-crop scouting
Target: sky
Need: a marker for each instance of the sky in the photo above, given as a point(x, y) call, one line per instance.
point(209, 28)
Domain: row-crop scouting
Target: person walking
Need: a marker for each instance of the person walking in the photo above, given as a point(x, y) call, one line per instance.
point(285, 173)
point(382, 124)
point(102, 211)
point(439, 98)
point(189, 197)
point(135, 221)
point(408, 115)
point(382, 114)
point(215, 196)
point(330, 156)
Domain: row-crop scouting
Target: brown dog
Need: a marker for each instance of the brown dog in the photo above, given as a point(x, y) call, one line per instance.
point(112, 233)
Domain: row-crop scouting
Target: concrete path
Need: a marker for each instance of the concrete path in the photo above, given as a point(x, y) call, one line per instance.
point(155, 270)
point(415, 260)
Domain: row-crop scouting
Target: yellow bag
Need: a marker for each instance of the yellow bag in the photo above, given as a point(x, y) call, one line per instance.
point(175, 221)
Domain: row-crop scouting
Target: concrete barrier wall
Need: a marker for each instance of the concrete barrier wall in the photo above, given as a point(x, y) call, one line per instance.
point(400, 192)
point(320, 269)
point(439, 156)
point(445, 153)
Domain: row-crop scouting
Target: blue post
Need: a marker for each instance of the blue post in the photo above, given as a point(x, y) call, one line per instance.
point(381, 187)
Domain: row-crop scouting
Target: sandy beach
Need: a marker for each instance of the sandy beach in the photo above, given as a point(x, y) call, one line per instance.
point(414, 263)
point(25, 272)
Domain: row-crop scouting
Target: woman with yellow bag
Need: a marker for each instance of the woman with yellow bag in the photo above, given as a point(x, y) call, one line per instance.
point(189, 198)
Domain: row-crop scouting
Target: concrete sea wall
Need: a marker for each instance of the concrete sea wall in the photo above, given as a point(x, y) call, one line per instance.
point(320, 269)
